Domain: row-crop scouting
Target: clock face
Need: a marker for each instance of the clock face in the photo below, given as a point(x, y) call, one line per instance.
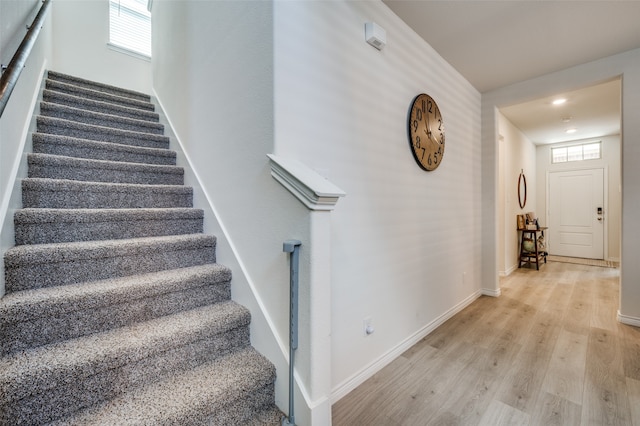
point(426, 132)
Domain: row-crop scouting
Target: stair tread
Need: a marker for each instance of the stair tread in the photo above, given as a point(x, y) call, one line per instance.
point(26, 305)
point(73, 185)
point(62, 98)
point(64, 161)
point(52, 166)
point(98, 95)
point(48, 366)
point(50, 225)
point(70, 79)
point(85, 116)
point(44, 215)
point(118, 149)
point(188, 398)
point(99, 133)
point(65, 193)
point(100, 249)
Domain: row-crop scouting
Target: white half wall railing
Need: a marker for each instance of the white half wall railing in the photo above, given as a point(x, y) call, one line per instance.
point(313, 367)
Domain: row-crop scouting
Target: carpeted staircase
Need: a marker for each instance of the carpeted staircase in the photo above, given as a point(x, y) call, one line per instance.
point(116, 311)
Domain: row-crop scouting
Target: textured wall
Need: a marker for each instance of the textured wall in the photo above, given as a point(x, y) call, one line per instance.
point(406, 243)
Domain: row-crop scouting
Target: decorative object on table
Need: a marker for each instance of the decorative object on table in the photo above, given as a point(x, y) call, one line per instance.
point(531, 221)
point(532, 246)
point(527, 245)
point(521, 221)
point(426, 132)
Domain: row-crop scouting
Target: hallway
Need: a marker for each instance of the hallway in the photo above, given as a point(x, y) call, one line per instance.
point(549, 351)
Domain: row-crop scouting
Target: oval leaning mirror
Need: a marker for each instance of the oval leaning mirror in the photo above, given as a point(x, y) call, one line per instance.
point(522, 190)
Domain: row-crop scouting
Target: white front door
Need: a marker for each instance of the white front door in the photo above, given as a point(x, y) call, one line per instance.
point(576, 215)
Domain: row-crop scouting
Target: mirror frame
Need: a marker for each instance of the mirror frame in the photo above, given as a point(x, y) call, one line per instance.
point(522, 187)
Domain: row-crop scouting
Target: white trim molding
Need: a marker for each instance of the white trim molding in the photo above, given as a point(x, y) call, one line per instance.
point(313, 190)
point(491, 292)
point(624, 319)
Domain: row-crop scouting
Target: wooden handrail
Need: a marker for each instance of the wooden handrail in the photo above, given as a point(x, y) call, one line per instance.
point(10, 75)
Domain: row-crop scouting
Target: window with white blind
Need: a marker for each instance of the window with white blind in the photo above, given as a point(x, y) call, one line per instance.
point(130, 26)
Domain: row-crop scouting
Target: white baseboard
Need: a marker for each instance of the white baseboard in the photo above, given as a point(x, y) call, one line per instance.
point(625, 319)
point(491, 292)
point(356, 380)
point(508, 272)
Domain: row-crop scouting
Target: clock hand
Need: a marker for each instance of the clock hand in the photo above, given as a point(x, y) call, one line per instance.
point(429, 134)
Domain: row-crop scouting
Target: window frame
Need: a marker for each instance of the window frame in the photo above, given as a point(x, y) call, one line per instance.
point(568, 156)
point(140, 12)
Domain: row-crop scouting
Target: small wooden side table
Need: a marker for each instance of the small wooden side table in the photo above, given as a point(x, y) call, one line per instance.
point(535, 256)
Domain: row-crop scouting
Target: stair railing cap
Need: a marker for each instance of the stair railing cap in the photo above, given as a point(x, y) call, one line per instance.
point(313, 190)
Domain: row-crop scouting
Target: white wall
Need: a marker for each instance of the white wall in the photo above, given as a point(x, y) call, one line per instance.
point(519, 155)
point(16, 123)
point(610, 162)
point(81, 33)
point(213, 74)
point(406, 243)
point(626, 65)
point(15, 15)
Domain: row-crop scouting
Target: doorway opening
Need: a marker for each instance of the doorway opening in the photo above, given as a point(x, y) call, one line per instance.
point(559, 191)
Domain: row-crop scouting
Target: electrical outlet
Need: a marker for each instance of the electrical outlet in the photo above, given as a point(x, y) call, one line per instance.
point(368, 326)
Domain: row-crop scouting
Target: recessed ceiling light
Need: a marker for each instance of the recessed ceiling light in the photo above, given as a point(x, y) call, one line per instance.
point(559, 101)
point(571, 130)
point(566, 119)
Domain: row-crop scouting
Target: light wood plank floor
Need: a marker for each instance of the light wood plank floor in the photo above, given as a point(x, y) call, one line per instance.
point(549, 351)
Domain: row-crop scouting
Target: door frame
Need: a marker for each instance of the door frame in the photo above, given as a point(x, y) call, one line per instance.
point(605, 201)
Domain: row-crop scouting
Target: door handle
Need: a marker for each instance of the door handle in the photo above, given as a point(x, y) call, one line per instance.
point(599, 218)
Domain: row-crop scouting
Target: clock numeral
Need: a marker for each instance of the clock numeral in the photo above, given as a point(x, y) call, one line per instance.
point(415, 125)
point(429, 160)
point(430, 106)
point(440, 125)
point(418, 146)
point(419, 115)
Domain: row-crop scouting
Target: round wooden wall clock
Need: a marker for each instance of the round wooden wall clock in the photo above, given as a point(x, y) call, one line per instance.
point(426, 132)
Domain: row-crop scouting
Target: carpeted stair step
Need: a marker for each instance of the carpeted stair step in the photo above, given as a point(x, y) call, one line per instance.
point(59, 379)
point(70, 194)
point(96, 95)
point(81, 82)
point(47, 265)
point(62, 167)
point(59, 126)
point(38, 317)
point(115, 311)
point(232, 390)
point(84, 148)
point(46, 226)
point(48, 109)
point(61, 98)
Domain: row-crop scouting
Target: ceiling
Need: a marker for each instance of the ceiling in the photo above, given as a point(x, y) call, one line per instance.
point(497, 43)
